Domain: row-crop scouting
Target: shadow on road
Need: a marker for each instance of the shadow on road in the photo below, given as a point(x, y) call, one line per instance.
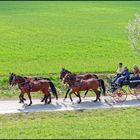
point(57, 106)
point(60, 105)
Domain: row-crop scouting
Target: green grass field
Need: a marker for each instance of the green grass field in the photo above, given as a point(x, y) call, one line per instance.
point(42, 37)
point(39, 38)
point(108, 123)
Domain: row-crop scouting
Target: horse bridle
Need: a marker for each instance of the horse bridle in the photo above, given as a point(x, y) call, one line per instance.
point(20, 84)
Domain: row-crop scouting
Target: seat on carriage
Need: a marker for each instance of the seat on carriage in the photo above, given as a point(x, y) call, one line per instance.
point(132, 83)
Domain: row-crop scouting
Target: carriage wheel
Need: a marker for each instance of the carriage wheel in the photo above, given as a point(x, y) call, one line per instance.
point(137, 92)
point(131, 91)
point(119, 95)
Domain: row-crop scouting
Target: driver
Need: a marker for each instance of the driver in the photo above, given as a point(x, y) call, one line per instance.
point(118, 72)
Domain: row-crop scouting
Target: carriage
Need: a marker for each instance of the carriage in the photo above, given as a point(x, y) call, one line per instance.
point(119, 94)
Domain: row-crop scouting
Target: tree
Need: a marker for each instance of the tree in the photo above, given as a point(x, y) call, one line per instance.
point(133, 29)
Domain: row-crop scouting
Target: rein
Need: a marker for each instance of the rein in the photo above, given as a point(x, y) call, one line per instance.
point(21, 84)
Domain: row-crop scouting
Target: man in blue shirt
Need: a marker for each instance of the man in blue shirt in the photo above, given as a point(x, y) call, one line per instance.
point(125, 75)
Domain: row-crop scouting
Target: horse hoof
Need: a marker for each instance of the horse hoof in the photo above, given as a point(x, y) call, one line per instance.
point(64, 100)
point(42, 100)
point(45, 103)
point(95, 100)
point(29, 104)
point(21, 102)
point(79, 102)
point(48, 102)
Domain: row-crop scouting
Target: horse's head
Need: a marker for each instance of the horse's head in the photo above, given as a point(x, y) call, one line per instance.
point(12, 79)
point(69, 78)
point(63, 73)
point(66, 79)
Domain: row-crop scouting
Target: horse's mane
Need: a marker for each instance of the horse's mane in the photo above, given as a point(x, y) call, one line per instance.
point(25, 77)
point(22, 78)
point(72, 76)
point(41, 78)
point(63, 69)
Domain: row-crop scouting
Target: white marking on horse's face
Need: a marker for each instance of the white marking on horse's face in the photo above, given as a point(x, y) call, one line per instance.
point(13, 82)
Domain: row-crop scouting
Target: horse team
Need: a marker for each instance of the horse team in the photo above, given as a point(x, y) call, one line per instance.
point(75, 82)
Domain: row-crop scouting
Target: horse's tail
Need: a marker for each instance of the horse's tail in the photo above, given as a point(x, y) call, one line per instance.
point(102, 85)
point(52, 88)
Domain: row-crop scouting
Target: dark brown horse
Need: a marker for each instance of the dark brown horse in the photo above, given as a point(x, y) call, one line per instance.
point(30, 85)
point(79, 76)
point(77, 85)
point(41, 78)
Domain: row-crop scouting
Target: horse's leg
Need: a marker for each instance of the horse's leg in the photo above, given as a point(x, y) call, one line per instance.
point(85, 94)
point(70, 96)
point(43, 98)
point(75, 94)
point(28, 93)
point(78, 94)
point(20, 97)
point(49, 99)
point(97, 95)
point(23, 98)
point(66, 94)
point(20, 100)
point(46, 99)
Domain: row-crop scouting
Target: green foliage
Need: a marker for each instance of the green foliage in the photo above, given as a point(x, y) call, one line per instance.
point(107, 123)
point(42, 37)
point(133, 29)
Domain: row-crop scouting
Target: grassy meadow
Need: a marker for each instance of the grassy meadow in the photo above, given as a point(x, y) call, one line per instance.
point(82, 36)
point(109, 123)
point(38, 38)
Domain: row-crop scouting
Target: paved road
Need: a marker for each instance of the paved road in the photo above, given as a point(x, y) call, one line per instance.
point(59, 105)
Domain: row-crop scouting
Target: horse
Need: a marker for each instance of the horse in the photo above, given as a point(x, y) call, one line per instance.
point(40, 78)
point(86, 76)
point(64, 71)
point(77, 85)
point(27, 85)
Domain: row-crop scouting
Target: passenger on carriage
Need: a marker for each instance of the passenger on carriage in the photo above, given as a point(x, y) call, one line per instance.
point(135, 73)
point(125, 75)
